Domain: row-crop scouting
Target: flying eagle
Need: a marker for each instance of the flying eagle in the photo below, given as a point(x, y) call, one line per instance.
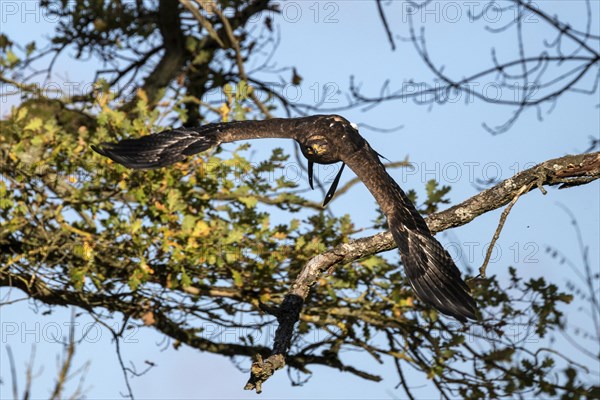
point(324, 139)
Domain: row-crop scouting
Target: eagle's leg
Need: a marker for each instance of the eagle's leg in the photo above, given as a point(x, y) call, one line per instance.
point(333, 187)
point(310, 174)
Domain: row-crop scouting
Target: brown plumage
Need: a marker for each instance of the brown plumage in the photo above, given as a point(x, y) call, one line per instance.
point(324, 139)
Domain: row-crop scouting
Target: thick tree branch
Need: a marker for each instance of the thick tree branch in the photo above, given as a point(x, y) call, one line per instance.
point(567, 171)
point(169, 23)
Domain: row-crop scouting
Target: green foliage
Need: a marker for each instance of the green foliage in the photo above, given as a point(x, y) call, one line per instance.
point(435, 197)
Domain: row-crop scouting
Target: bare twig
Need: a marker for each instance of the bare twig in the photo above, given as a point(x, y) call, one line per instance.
point(13, 372)
point(385, 24)
point(29, 374)
point(235, 43)
point(503, 217)
point(536, 85)
point(203, 21)
point(66, 363)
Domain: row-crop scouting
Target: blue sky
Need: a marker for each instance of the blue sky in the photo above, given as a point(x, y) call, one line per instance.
point(328, 42)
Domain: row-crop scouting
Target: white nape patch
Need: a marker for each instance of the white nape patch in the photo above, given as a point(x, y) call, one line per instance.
point(352, 124)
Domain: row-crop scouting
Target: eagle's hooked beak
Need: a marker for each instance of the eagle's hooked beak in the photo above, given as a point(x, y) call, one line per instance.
point(316, 149)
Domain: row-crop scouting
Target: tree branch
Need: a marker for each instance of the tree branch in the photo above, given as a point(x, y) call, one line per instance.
point(567, 171)
point(386, 26)
point(169, 23)
point(132, 306)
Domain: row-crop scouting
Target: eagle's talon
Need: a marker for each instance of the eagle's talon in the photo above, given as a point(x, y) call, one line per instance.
point(310, 174)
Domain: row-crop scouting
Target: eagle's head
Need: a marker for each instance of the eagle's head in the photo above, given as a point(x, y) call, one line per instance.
point(328, 137)
point(319, 149)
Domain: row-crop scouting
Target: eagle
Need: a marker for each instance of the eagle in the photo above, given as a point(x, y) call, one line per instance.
point(324, 139)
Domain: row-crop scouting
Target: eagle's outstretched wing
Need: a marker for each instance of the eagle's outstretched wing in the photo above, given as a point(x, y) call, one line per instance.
point(429, 268)
point(171, 146)
point(324, 139)
point(158, 150)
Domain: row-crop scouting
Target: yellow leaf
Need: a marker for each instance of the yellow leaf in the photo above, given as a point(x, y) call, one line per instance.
point(102, 101)
point(408, 302)
point(87, 252)
point(142, 95)
point(148, 318)
point(279, 235)
point(34, 124)
point(224, 110)
point(146, 268)
point(401, 356)
point(159, 206)
point(21, 114)
point(201, 229)
point(237, 278)
point(136, 225)
point(265, 297)
point(248, 201)
point(11, 57)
